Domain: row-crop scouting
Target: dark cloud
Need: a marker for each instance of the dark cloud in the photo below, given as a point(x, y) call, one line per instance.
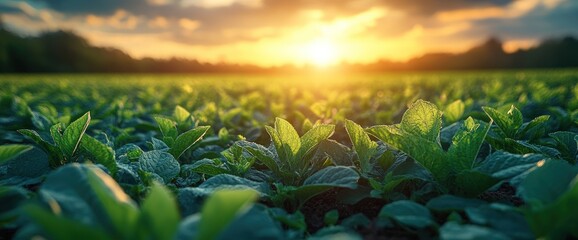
point(428, 7)
point(541, 22)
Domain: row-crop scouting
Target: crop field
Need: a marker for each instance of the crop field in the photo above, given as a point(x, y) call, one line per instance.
point(437, 155)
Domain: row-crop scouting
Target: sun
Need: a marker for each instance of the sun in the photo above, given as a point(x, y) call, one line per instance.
point(321, 53)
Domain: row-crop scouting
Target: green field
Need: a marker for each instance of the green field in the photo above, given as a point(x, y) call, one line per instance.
point(449, 155)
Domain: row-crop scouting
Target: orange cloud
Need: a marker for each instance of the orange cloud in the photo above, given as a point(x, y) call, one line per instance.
point(189, 24)
point(470, 14)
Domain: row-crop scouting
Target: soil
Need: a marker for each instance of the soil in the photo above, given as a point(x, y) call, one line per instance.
point(506, 193)
point(316, 208)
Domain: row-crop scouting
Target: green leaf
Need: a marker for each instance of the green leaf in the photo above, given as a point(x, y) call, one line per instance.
point(53, 226)
point(548, 182)
point(558, 219)
point(262, 154)
point(187, 140)
point(119, 215)
point(89, 196)
point(428, 153)
point(168, 127)
point(455, 231)
point(422, 119)
point(159, 212)
point(408, 213)
point(255, 224)
point(276, 139)
point(227, 181)
point(454, 111)
point(325, 179)
point(466, 144)
point(471, 183)
point(567, 144)
point(161, 163)
point(516, 116)
point(534, 128)
point(181, 114)
point(27, 168)
point(55, 156)
point(362, 144)
point(221, 208)
point(311, 139)
point(10, 151)
point(338, 153)
point(334, 176)
point(290, 141)
point(331, 217)
point(502, 218)
point(503, 121)
point(73, 135)
point(504, 165)
point(208, 167)
point(100, 153)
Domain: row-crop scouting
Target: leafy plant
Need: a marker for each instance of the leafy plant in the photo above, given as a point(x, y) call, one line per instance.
point(302, 174)
point(418, 135)
point(65, 140)
point(511, 130)
point(551, 191)
point(235, 161)
point(363, 146)
point(179, 143)
point(95, 207)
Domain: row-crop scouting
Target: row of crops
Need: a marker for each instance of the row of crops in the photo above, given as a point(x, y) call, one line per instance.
point(467, 155)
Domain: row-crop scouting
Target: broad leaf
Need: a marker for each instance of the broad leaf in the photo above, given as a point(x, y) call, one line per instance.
point(325, 179)
point(454, 111)
point(262, 154)
point(73, 135)
point(558, 219)
point(289, 137)
point(408, 213)
point(455, 231)
point(168, 127)
point(363, 146)
point(503, 121)
point(187, 140)
point(53, 226)
point(208, 167)
point(93, 198)
point(466, 144)
point(504, 165)
point(311, 139)
point(159, 213)
point(422, 119)
point(227, 181)
point(548, 182)
point(221, 208)
point(100, 153)
point(161, 163)
point(10, 151)
point(567, 144)
point(502, 218)
point(181, 114)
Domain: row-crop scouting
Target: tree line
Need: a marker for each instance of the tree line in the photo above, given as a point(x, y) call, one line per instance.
point(66, 52)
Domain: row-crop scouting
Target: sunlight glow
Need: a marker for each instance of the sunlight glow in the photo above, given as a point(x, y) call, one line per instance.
point(322, 53)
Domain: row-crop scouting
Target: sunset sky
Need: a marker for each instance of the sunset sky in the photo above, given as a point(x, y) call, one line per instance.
point(275, 32)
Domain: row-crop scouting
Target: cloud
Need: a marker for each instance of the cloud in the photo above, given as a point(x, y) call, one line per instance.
point(220, 3)
point(235, 30)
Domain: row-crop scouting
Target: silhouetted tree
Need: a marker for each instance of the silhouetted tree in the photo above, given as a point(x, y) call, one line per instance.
point(65, 51)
